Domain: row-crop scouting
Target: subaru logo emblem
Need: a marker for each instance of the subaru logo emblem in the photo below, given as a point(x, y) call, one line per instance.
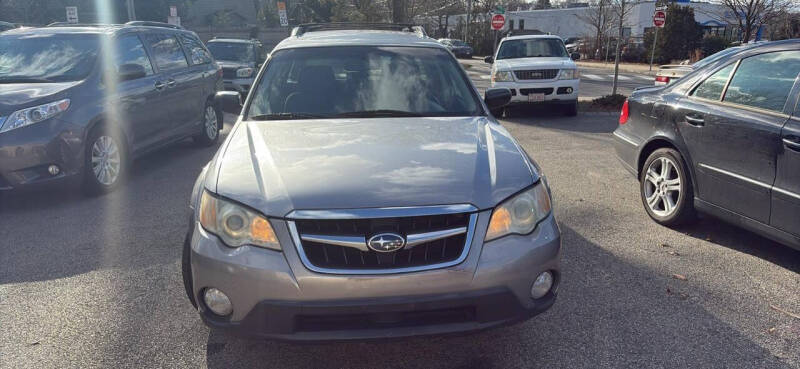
point(386, 242)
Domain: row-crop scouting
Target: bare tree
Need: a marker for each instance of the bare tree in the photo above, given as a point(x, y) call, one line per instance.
point(621, 9)
point(750, 15)
point(599, 16)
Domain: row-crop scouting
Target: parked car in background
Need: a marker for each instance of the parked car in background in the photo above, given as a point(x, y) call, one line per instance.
point(367, 193)
point(79, 102)
point(724, 140)
point(240, 60)
point(536, 69)
point(670, 73)
point(459, 48)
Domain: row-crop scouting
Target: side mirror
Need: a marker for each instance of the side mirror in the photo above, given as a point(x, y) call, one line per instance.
point(228, 101)
point(131, 71)
point(497, 97)
point(575, 56)
point(489, 59)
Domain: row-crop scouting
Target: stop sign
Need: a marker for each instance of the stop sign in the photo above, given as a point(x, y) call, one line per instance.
point(498, 21)
point(659, 18)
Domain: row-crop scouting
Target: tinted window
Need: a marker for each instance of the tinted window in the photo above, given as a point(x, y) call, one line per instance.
point(764, 81)
point(528, 48)
point(362, 81)
point(232, 51)
point(129, 50)
point(167, 52)
point(194, 47)
point(47, 57)
point(712, 87)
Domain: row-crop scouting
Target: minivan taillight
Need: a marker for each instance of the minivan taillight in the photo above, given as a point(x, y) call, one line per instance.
point(623, 115)
point(662, 79)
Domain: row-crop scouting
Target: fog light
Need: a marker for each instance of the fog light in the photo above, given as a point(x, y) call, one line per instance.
point(217, 302)
point(569, 90)
point(53, 170)
point(542, 285)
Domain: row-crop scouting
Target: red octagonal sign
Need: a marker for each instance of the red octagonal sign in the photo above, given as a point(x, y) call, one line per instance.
point(498, 21)
point(659, 18)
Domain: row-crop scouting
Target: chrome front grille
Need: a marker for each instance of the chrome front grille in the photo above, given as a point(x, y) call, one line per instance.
point(536, 74)
point(339, 246)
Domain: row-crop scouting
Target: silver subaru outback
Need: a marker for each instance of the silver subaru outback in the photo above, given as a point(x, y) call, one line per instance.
point(366, 191)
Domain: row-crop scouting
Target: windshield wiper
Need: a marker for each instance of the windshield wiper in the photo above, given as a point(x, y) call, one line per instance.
point(22, 79)
point(286, 116)
point(378, 113)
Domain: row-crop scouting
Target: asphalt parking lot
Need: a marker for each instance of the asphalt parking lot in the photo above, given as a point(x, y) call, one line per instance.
point(96, 282)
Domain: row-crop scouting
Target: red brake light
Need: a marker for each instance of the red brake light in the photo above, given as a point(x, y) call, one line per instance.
point(664, 79)
point(623, 115)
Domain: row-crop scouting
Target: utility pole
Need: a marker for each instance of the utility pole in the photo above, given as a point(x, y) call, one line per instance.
point(466, 26)
point(653, 52)
point(131, 10)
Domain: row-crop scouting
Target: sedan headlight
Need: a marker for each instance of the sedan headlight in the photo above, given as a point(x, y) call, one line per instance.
point(502, 76)
point(521, 213)
point(235, 224)
point(36, 114)
point(244, 72)
point(569, 74)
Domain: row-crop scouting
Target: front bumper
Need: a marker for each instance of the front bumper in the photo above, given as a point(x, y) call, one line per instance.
point(27, 152)
point(555, 91)
point(275, 296)
point(240, 85)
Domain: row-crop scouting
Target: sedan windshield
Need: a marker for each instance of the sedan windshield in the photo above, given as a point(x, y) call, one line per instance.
point(231, 51)
point(46, 58)
point(530, 48)
point(358, 81)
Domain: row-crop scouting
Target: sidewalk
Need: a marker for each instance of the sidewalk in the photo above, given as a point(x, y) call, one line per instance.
point(623, 67)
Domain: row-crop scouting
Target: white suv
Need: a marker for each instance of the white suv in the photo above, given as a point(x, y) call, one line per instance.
point(537, 69)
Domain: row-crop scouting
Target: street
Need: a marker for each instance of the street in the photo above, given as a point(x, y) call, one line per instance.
point(95, 282)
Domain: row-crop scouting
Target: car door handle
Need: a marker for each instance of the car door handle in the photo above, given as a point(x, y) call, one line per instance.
point(160, 85)
point(170, 82)
point(695, 120)
point(792, 142)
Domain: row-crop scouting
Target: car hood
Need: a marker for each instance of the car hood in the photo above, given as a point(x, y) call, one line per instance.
point(534, 63)
point(280, 166)
point(15, 96)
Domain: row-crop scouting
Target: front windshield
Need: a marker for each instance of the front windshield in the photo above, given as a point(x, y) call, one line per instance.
point(230, 51)
point(363, 81)
point(47, 58)
point(529, 48)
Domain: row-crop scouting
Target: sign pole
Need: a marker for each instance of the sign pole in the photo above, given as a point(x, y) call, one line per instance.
point(653, 52)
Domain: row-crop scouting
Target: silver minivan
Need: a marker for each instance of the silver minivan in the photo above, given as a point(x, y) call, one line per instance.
point(366, 191)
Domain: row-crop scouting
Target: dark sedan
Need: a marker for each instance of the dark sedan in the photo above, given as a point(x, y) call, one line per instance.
point(459, 48)
point(724, 141)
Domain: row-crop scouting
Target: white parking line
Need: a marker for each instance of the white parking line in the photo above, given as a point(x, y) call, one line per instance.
point(620, 77)
point(485, 76)
point(592, 76)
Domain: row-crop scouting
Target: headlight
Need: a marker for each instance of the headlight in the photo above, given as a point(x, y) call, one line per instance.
point(244, 72)
point(36, 114)
point(569, 74)
point(502, 76)
point(235, 224)
point(521, 213)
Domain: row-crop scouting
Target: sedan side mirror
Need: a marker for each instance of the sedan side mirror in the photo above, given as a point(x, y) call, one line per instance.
point(130, 71)
point(228, 101)
point(497, 97)
point(489, 59)
point(575, 56)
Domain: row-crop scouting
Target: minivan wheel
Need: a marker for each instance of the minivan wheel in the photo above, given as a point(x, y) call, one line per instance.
point(212, 123)
point(105, 162)
point(666, 189)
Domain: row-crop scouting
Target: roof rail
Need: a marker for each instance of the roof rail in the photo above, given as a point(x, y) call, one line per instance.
point(399, 27)
point(67, 24)
point(153, 24)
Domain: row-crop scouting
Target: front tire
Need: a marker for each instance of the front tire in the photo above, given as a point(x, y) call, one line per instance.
point(666, 189)
point(105, 162)
point(212, 124)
